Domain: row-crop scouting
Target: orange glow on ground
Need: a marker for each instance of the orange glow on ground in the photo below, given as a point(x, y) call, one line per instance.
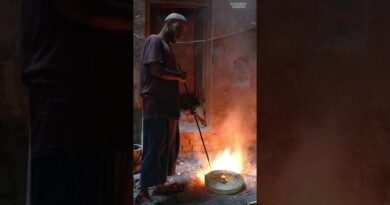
point(225, 160)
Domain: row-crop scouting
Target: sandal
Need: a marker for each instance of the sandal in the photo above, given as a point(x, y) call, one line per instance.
point(168, 189)
point(142, 200)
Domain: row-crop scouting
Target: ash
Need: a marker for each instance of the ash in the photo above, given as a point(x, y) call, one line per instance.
point(196, 192)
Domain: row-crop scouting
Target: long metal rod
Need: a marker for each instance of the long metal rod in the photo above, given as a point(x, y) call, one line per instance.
point(193, 112)
point(201, 137)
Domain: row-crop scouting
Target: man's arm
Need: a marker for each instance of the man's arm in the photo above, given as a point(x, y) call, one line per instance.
point(106, 14)
point(161, 72)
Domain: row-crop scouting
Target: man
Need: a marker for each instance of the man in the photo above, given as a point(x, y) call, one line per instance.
point(76, 63)
point(160, 94)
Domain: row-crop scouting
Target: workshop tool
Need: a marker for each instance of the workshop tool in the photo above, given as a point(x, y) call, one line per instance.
point(224, 182)
point(196, 116)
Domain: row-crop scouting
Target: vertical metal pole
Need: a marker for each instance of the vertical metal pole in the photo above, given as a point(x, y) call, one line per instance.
point(197, 124)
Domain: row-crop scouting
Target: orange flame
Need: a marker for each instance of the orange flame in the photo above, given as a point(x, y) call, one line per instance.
point(225, 160)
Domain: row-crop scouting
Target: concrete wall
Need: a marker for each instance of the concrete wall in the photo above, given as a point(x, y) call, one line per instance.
point(13, 109)
point(232, 94)
point(325, 103)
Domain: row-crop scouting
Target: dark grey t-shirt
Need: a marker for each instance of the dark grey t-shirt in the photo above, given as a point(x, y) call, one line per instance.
point(160, 97)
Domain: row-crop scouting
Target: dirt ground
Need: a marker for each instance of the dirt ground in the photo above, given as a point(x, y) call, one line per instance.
point(196, 193)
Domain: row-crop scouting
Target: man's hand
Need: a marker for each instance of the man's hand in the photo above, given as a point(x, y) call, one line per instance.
point(182, 76)
point(167, 74)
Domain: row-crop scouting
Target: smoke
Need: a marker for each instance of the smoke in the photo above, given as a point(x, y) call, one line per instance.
point(238, 132)
point(233, 96)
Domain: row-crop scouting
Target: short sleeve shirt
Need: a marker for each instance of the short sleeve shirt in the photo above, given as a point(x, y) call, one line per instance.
point(160, 97)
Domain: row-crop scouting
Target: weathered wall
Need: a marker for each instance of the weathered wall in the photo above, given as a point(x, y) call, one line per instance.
point(324, 102)
point(232, 97)
point(13, 134)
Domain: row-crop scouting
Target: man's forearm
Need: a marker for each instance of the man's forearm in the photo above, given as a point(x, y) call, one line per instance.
point(95, 13)
point(163, 72)
point(167, 74)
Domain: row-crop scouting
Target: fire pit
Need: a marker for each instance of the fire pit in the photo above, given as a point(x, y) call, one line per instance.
point(224, 182)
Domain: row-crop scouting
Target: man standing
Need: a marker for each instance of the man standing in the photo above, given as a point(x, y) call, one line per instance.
point(76, 63)
point(160, 94)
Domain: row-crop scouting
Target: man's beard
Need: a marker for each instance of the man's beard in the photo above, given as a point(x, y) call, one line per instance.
point(171, 35)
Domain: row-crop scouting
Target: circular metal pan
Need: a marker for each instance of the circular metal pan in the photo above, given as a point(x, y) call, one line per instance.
point(224, 182)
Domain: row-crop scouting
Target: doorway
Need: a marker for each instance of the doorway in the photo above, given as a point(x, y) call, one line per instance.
point(193, 51)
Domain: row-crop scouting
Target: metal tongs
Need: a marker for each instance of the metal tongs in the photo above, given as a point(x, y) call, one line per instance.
point(196, 117)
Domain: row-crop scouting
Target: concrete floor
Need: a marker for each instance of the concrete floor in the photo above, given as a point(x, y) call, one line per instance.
point(196, 192)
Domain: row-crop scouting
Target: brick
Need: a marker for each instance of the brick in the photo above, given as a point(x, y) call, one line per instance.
point(191, 136)
point(199, 148)
point(199, 142)
point(185, 142)
point(215, 140)
point(197, 136)
point(184, 136)
point(217, 148)
point(187, 148)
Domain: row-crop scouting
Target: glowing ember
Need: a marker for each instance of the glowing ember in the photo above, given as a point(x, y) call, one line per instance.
point(225, 160)
point(224, 179)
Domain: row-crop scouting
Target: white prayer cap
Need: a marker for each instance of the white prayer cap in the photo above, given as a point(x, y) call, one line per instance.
point(175, 16)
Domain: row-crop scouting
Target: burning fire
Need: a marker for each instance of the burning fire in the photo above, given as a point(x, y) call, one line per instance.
point(225, 160)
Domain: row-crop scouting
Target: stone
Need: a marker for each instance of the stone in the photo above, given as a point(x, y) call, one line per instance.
point(224, 182)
